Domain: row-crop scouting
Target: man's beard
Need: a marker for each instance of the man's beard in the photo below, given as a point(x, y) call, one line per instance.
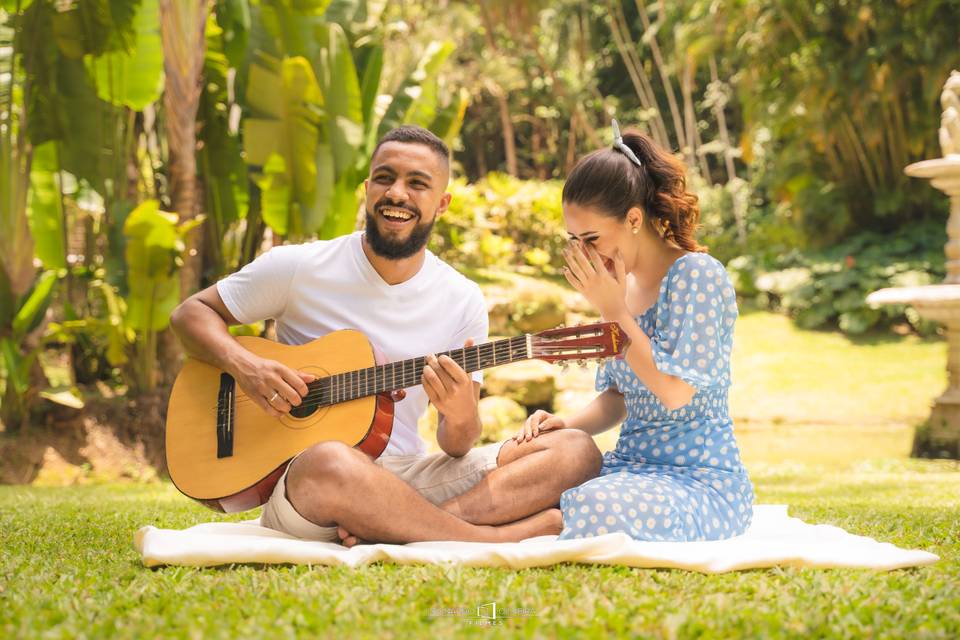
point(393, 249)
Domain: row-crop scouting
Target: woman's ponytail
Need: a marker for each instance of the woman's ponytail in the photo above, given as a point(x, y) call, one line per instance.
point(609, 180)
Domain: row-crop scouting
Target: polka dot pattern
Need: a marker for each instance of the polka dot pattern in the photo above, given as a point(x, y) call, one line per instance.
point(674, 475)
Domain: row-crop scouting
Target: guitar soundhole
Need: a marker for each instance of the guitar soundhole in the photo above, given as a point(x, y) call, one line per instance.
point(303, 411)
point(306, 409)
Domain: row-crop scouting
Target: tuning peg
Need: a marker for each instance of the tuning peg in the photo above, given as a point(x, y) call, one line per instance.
point(582, 363)
point(564, 365)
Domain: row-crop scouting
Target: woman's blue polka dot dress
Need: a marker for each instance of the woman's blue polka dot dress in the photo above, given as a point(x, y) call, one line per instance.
point(674, 475)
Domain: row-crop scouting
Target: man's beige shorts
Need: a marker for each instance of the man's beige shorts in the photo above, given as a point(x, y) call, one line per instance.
point(437, 477)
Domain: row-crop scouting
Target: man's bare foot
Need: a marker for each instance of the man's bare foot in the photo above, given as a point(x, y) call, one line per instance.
point(548, 522)
point(347, 539)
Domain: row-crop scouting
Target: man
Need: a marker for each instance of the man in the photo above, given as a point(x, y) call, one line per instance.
point(409, 303)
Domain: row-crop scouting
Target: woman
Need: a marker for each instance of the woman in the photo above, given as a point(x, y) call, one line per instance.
point(676, 472)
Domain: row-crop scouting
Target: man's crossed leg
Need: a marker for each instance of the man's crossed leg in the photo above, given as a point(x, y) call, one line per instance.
point(515, 489)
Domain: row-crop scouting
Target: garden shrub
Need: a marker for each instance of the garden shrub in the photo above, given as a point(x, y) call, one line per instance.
point(502, 222)
point(828, 288)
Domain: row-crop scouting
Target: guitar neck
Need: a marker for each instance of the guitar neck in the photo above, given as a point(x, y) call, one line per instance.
point(350, 385)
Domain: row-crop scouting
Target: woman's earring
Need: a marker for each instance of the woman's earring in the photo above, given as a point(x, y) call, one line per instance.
point(636, 230)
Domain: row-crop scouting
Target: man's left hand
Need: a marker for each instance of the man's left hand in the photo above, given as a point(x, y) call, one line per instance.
point(450, 389)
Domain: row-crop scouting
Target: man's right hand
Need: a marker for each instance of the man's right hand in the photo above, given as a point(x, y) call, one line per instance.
point(537, 423)
point(274, 386)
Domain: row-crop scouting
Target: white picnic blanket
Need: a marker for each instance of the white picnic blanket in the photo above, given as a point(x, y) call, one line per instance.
point(774, 539)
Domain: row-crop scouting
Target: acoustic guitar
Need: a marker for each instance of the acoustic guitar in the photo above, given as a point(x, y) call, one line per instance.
point(226, 452)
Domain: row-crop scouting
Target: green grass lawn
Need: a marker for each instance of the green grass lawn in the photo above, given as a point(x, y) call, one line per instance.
point(824, 423)
point(782, 374)
point(69, 570)
point(825, 399)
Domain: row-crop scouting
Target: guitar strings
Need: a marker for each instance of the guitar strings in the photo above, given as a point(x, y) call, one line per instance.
point(340, 386)
point(348, 388)
point(349, 385)
point(342, 389)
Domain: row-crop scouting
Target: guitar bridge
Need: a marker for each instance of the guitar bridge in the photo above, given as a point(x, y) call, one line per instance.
point(226, 411)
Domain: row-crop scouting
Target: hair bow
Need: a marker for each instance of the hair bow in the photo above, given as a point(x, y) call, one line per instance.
point(621, 147)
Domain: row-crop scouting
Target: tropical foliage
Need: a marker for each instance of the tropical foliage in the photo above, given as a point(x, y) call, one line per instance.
point(148, 147)
point(106, 125)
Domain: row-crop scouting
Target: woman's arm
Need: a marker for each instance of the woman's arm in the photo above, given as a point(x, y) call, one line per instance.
point(672, 392)
point(607, 293)
point(605, 411)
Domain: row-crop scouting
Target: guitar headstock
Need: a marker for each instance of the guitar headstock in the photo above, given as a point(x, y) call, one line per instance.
point(582, 342)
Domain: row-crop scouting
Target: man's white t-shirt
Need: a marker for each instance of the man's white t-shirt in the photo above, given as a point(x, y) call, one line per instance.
point(314, 288)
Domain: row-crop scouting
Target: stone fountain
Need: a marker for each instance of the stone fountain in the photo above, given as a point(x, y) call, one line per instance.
point(940, 437)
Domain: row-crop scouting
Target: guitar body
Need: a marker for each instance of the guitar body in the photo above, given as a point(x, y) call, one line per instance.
point(224, 451)
point(261, 445)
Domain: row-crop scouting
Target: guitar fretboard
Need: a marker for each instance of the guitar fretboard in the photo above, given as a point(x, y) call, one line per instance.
point(350, 385)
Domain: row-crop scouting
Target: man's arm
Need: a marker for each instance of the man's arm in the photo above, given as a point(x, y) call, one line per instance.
point(457, 437)
point(455, 395)
point(202, 323)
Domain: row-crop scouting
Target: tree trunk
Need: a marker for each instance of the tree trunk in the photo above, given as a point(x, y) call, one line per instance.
point(506, 125)
point(722, 125)
point(663, 71)
point(182, 24)
point(638, 76)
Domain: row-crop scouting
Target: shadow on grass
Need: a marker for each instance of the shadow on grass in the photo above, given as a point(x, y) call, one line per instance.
point(878, 337)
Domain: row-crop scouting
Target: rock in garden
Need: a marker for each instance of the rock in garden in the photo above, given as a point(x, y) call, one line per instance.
point(528, 310)
point(501, 418)
point(531, 383)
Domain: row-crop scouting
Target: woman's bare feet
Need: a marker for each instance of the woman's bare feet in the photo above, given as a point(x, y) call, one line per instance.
point(548, 522)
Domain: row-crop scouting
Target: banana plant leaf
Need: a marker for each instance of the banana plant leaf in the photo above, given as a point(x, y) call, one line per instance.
point(10, 6)
point(291, 25)
point(154, 247)
point(343, 100)
point(110, 325)
point(416, 99)
point(341, 11)
point(288, 122)
point(352, 12)
point(8, 302)
point(28, 316)
point(85, 126)
point(66, 397)
point(448, 119)
point(16, 243)
point(16, 365)
point(219, 158)
point(275, 194)
point(45, 213)
point(34, 305)
point(133, 78)
point(342, 217)
point(371, 62)
point(94, 27)
point(233, 18)
point(7, 37)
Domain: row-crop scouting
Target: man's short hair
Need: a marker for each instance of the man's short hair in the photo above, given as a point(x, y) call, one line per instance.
point(417, 135)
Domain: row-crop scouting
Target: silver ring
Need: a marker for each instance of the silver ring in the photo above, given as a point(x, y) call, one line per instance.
point(274, 397)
